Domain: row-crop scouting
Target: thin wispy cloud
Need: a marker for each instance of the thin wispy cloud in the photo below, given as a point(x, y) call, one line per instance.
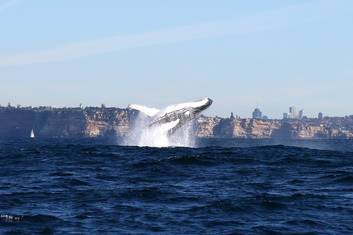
point(4, 4)
point(261, 22)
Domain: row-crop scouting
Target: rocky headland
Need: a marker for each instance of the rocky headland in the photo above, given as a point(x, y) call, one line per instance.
point(105, 122)
point(308, 128)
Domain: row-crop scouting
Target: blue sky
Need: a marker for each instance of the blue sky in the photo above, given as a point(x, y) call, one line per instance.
point(242, 54)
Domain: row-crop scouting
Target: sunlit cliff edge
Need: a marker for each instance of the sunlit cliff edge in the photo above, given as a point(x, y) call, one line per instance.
point(104, 122)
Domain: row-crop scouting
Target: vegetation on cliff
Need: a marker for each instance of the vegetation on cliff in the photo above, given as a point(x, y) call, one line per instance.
point(51, 122)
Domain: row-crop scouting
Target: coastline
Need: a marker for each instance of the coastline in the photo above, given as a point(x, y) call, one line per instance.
point(111, 122)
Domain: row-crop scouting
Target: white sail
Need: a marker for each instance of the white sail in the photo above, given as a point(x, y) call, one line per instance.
point(32, 134)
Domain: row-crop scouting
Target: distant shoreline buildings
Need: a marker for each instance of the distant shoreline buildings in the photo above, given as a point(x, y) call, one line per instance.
point(293, 114)
point(111, 122)
point(256, 114)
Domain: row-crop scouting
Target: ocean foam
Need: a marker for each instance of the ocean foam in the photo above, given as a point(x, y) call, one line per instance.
point(157, 135)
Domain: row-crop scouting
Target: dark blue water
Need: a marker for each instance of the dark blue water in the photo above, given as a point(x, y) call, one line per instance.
point(53, 187)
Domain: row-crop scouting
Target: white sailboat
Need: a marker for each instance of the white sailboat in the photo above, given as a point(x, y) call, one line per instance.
point(32, 134)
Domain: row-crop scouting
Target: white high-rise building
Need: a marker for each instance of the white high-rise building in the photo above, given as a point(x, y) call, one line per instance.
point(301, 114)
point(293, 112)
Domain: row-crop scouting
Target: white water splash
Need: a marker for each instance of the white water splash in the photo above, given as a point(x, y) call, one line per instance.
point(157, 136)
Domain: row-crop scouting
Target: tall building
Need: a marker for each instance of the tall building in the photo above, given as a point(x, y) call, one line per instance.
point(293, 112)
point(320, 116)
point(285, 115)
point(232, 116)
point(257, 114)
point(301, 114)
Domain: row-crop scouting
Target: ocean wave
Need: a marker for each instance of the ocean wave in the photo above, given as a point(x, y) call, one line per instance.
point(87, 188)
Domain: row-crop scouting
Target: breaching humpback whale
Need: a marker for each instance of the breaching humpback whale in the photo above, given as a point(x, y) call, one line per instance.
point(175, 116)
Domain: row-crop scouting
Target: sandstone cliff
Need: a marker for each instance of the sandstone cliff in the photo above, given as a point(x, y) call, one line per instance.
point(65, 122)
point(105, 122)
point(108, 121)
point(264, 129)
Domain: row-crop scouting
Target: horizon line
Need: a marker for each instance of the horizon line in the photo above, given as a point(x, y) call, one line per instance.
point(103, 106)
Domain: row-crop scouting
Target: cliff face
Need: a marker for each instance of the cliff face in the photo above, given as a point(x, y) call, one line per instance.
point(261, 129)
point(237, 128)
point(59, 123)
point(65, 123)
point(114, 122)
point(205, 126)
point(108, 121)
point(14, 123)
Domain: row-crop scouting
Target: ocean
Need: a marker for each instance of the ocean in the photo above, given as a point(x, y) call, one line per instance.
point(222, 187)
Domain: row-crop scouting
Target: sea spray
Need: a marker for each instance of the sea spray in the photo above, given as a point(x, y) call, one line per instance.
point(142, 134)
point(184, 137)
point(171, 126)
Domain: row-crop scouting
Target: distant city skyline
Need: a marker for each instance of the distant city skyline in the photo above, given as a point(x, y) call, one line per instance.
point(266, 54)
point(256, 114)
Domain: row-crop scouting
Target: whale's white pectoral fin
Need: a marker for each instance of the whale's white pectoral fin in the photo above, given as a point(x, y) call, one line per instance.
point(146, 110)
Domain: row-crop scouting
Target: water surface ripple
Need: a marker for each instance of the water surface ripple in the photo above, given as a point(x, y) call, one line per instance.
point(60, 188)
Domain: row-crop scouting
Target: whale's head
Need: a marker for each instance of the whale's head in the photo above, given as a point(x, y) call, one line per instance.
point(202, 105)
